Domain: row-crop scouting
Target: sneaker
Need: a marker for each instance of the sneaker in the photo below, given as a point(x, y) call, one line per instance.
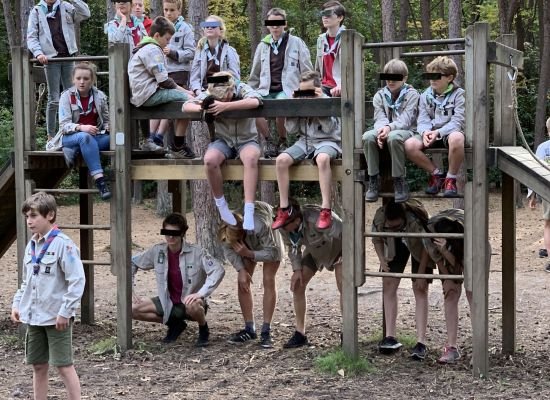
point(435, 183)
point(372, 192)
point(543, 253)
point(104, 191)
point(204, 335)
point(389, 345)
point(242, 336)
point(418, 352)
point(297, 340)
point(450, 355)
point(158, 139)
point(70, 156)
point(325, 219)
point(265, 340)
point(175, 328)
point(450, 189)
point(401, 190)
point(271, 150)
point(150, 145)
point(183, 153)
point(282, 218)
point(547, 268)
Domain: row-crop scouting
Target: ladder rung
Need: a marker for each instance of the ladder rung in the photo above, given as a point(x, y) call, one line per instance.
point(95, 262)
point(415, 235)
point(423, 195)
point(80, 191)
point(417, 276)
point(90, 227)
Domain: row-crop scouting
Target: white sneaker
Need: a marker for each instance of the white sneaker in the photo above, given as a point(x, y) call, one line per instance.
point(149, 145)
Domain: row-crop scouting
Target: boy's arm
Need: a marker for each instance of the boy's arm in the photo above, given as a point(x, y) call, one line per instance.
point(456, 124)
point(269, 249)
point(74, 276)
point(305, 58)
point(380, 117)
point(82, 11)
point(255, 71)
point(232, 257)
point(33, 43)
point(116, 33)
point(214, 274)
point(155, 63)
point(407, 118)
point(424, 121)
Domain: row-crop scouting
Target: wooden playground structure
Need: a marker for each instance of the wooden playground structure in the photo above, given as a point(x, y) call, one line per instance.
point(34, 170)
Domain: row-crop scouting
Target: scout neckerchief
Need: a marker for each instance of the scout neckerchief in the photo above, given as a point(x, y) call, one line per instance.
point(213, 56)
point(275, 44)
point(75, 99)
point(295, 237)
point(432, 98)
point(179, 23)
point(395, 105)
point(44, 7)
point(36, 260)
point(328, 49)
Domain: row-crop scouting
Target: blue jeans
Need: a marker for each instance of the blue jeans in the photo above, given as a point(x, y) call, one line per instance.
point(57, 74)
point(89, 146)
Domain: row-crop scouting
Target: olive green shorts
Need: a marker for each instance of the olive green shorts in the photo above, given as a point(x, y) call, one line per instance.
point(45, 344)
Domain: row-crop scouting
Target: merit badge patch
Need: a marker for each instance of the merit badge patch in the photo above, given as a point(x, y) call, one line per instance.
point(47, 270)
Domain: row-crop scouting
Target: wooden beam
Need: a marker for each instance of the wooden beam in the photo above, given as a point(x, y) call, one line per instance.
point(508, 265)
point(504, 126)
point(500, 53)
point(86, 204)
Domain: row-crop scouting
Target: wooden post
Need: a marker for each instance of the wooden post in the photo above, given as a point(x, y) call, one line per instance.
point(28, 103)
point(86, 248)
point(477, 111)
point(179, 198)
point(349, 290)
point(121, 202)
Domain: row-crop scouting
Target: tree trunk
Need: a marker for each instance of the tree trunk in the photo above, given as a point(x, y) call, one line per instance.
point(110, 9)
point(507, 9)
point(544, 75)
point(266, 6)
point(426, 21)
point(16, 27)
point(164, 199)
point(253, 25)
point(455, 31)
point(13, 33)
point(388, 22)
point(404, 12)
point(155, 8)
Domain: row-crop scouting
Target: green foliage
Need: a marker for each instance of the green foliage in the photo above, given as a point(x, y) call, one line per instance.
point(6, 136)
point(337, 362)
point(104, 346)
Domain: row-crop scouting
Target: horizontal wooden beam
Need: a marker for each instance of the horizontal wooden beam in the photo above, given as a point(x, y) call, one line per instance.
point(412, 276)
point(498, 53)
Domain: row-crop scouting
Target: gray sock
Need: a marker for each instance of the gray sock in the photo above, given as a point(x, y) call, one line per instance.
point(250, 326)
point(266, 327)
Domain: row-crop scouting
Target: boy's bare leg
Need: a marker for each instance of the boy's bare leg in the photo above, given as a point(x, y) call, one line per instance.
point(451, 293)
point(163, 126)
point(414, 151)
point(263, 127)
point(270, 289)
point(249, 157)
point(71, 381)
point(389, 293)
point(281, 130)
point(213, 159)
point(421, 310)
point(145, 310)
point(300, 300)
point(154, 125)
point(338, 277)
point(195, 311)
point(181, 127)
point(40, 381)
point(547, 234)
point(282, 164)
point(245, 294)
point(456, 152)
point(325, 178)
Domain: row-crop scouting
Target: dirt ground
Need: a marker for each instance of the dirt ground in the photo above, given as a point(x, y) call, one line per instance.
point(181, 371)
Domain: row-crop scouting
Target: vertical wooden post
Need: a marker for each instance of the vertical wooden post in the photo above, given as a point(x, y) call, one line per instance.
point(121, 202)
point(86, 248)
point(179, 198)
point(28, 103)
point(349, 291)
point(477, 111)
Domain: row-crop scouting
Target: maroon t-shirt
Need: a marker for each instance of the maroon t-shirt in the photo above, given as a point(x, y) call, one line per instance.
point(91, 118)
point(328, 62)
point(175, 282)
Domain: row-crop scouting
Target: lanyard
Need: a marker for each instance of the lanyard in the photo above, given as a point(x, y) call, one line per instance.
point(275, 44)
point(213, 56)
point(432, 98)
point(36, 260)
point(327, 49)
point(44, 7)
point(179, 22)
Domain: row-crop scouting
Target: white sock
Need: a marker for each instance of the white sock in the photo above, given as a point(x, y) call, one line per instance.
point(226, 215)
point(248, 220)
point(452, 176)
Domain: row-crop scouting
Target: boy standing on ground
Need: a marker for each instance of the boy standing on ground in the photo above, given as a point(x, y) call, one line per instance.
point(186, 275)
point(150, 84)
point(320, 141)
point(138, 10)
point(53, 283)
point(51, 34)
point(327, 60)
point(395, 111)
point(440, 124)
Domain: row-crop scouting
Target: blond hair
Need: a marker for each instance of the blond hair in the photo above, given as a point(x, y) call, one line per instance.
point(223, 31)
point(279, 12)
point(232, 234)
point(218, 90)
point(41, 202)
point(311, 76)
point(178, 3)
point(443, 65)
point(396, 66)
point(87, 66)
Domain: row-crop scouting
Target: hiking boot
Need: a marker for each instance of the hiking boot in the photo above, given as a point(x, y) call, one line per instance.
point(401, 190)
point(242, 336)
point(435, 183)
point(297, 340)
point(70, 156)
point(418, 352)
point(450, 355)
point(325, 219)
point(389, 345)
point(150, 145)
point(265, 340)
point(175, 328)
point(204, 335)
point(547, 268)
point(271, 150)
point(450, 189)
point(183, 152)
point(372, 191)
point(104, 191)
point(158, 139)
point(282, 218)
point(543, 253)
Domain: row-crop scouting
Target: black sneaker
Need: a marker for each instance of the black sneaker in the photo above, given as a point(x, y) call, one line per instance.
point(242, 336)
point(104, 191)
point(265, 340)
point(372, 191)
point(547, 268)
point(175, 328)
point(543, 253)
point(389, 345)
point(297, 340)
point(204, 335)
point(183, 152)
point(418, 352)
point(401, 190)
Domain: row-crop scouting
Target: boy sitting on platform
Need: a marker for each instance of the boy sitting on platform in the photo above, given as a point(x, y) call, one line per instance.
point(233, 138)
point(320, 141)
point(395, 111)
point(150, 84)
point(440, 124)
point(125, 28)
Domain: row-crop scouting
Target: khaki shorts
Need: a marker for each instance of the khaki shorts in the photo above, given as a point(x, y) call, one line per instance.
point(45, 344)
point(178, 310)
point(545, 210)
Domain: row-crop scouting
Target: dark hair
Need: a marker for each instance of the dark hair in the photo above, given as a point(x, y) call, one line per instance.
point(41, 202)
point(311, 76)
point(176, 219)
point(338, 8)
point(456, 246)
point(162, 26)
point(394, 211)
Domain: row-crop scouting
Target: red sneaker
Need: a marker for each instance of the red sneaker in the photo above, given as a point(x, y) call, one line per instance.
point(450, 189)
point(325, 219)
point(435, 183)
point(282, 218)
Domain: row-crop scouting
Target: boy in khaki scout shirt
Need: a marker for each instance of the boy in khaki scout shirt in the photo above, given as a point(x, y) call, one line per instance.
point(186, 275)
point(53, 283)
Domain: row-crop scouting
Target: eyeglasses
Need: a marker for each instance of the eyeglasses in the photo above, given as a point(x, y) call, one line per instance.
point(327, 13)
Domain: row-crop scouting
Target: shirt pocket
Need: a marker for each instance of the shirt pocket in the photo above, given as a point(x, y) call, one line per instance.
point(69, 18)
point(48, 266)
point(293, 61)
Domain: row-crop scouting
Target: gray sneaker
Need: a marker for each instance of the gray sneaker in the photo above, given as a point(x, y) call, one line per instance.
point(183, 153)
point(372, 191)
point(401, 190)
point(150, 145)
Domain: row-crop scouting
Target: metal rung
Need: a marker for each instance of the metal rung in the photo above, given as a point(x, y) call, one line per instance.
point(417, 276)
point(415, 235)
point(421, 195)
point(95, 262)
point(79, 191)
point(84, 227)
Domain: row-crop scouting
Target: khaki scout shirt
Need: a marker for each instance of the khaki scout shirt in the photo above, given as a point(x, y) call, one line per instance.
point(200, 272)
